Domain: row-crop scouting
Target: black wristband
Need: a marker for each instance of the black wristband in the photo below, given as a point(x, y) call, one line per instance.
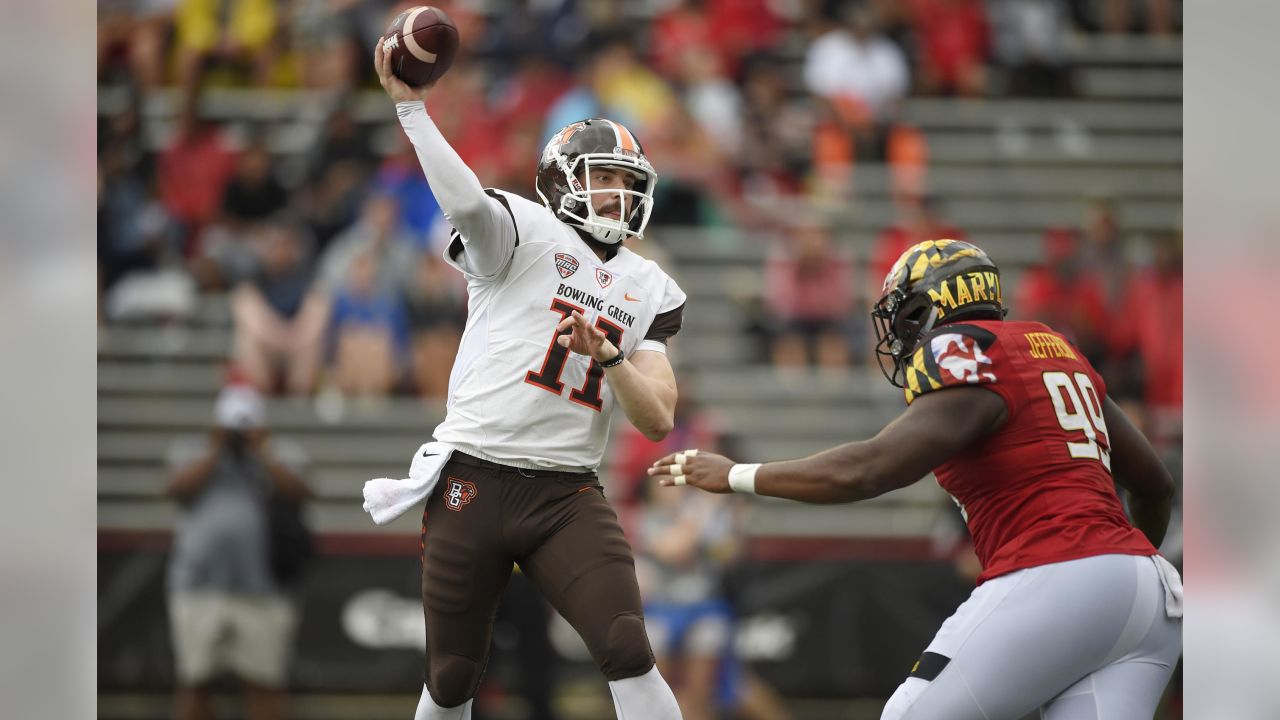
point(614, 361)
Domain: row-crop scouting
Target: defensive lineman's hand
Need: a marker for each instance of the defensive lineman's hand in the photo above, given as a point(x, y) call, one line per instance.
point(585, 339)
point(395, 87)
point(707, 471)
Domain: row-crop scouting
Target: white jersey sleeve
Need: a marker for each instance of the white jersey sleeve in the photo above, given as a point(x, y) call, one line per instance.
point(483, 223)
point(482, 257)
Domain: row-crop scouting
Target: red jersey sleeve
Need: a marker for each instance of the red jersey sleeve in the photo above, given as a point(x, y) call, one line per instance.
point(960, 356)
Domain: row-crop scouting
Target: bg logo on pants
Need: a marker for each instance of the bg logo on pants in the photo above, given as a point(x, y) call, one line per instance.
point(459, 493)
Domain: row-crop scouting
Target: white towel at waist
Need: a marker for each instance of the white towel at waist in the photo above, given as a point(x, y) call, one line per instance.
point(386, 499)
point(1172, 583)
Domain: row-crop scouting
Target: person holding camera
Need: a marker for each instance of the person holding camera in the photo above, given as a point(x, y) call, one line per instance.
point(228, 608)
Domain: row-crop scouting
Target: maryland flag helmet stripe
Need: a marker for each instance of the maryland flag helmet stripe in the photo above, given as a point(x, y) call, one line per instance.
point(922, 374)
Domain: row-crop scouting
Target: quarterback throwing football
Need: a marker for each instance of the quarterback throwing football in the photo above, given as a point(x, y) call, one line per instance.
point(563, 324)
point(1075, 613)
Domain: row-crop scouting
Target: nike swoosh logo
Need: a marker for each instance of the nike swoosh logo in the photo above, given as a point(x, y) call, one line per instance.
point(627, 296)
point(429, 454)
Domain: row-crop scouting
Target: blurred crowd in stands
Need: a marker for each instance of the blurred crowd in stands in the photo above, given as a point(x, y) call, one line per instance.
point(331, 252)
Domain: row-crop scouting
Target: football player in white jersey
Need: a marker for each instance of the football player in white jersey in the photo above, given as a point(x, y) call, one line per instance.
point(563, 322)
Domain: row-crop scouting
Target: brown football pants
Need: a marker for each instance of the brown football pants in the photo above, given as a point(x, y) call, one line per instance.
point(482, 518)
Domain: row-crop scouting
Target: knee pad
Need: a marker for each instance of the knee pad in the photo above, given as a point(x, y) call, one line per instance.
point(626, 653)
point(453, 679)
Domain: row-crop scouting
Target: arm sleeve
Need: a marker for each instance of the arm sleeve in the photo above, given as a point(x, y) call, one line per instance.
point(485, 226)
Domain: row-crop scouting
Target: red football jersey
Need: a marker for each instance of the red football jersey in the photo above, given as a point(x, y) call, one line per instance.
point(1039, 489)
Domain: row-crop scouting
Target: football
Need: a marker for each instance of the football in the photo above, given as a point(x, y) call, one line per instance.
point(422, 42)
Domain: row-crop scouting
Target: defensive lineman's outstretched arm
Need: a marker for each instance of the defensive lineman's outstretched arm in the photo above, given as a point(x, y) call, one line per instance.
point(935, 427)
point(486, 228)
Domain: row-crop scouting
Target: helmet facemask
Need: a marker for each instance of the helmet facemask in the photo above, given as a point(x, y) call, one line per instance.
point(576, 204)
point(899, 323)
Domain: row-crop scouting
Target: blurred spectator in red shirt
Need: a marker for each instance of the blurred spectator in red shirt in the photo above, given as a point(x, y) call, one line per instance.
point(459, 109)
point(685, 25)
point(194, 170)
point(918, 220)
point(1064, 294)
point(1108, 264)
point(953, 45)
point(809, 298)
point(742, 27)
point(1151, 324)
point(731, 29)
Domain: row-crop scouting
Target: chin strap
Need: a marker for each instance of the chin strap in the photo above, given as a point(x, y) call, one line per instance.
point(610, 249)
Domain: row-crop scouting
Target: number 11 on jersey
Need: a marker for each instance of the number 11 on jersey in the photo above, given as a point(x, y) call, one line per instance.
point(548, 376)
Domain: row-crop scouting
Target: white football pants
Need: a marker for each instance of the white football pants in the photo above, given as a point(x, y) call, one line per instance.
point(1089, 639)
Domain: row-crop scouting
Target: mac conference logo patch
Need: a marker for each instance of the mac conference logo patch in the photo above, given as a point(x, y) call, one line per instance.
point(566, 264)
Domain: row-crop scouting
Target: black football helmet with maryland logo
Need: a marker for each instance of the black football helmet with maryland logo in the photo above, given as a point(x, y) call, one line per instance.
point(564, 178)
point(933, 282)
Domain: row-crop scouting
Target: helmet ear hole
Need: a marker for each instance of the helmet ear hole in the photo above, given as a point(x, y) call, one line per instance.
point(908, 323)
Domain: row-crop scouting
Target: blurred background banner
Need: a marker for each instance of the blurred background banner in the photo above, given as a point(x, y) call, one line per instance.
point(812, 629)
point(262, 222)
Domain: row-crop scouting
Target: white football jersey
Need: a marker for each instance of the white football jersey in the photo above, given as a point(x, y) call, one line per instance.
point(515, 395)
